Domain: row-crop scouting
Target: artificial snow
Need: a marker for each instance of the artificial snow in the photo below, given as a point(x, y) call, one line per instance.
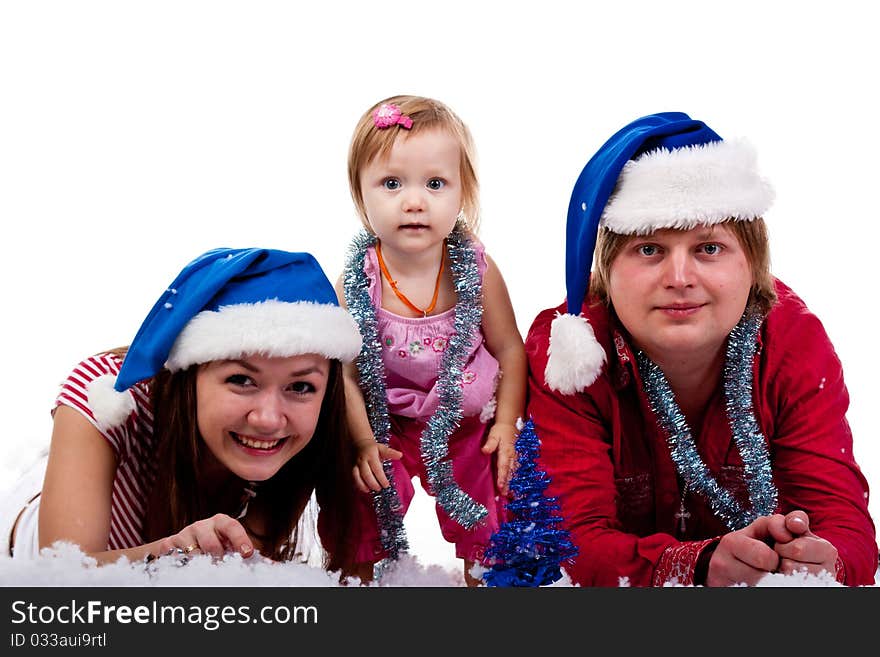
point(65, 565)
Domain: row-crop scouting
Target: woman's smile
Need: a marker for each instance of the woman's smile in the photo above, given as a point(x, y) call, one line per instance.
point(256, 445)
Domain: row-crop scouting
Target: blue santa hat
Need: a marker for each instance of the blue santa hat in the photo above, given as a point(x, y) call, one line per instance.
point(663, 170)
point(225, 304)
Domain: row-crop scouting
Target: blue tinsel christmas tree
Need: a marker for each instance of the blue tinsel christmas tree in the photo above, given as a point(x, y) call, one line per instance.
point(529, 548)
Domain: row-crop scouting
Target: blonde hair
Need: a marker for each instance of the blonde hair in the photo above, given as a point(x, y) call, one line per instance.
point(369, 142)
point(751, 235)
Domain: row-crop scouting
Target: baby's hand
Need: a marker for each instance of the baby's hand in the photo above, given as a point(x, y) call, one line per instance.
point(368, 472)
point(502, 437)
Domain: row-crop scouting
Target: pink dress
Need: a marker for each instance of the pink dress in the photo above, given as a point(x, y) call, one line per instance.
point(412, 350)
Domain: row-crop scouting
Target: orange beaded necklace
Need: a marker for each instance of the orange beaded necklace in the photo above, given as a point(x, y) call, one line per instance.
point(400, 295)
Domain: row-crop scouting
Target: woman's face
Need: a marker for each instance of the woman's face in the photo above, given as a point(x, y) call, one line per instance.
point(680, 292)
point(256, 413)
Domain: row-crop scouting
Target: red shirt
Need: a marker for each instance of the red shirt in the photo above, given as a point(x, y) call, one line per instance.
point(133, 445)
point(610, 464)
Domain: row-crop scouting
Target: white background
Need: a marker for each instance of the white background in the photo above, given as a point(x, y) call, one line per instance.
point(134, 136)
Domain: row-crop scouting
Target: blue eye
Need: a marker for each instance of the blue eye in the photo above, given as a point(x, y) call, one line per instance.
point(711, 249)
point(648, 249)
point(391, 184)
point(435, 184)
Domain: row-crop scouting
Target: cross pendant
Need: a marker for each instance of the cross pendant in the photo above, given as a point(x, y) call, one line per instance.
point(682, 515)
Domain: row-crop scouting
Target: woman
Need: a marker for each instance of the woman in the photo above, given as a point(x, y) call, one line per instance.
point(211, 432)
point(691, 409)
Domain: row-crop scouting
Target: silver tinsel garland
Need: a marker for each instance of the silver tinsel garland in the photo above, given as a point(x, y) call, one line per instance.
point(738, 378)
point(372, 380)
point(434, 442)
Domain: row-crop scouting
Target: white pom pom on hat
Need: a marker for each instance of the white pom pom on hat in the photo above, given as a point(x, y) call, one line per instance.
point(110, 407)
point(575, 357)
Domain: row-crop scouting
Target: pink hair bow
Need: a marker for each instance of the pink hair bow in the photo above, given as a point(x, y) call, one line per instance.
point(387, 115)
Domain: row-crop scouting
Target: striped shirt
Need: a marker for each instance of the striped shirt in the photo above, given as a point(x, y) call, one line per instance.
point(133, 445)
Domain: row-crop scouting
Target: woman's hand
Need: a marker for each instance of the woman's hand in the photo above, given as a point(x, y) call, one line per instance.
point(368, 472)
point(216, 536)
point(502, 437)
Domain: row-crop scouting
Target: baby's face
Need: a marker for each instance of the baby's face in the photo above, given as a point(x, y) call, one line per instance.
point(413, 196)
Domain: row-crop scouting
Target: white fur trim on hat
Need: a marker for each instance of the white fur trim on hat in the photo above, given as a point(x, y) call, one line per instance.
point(686, 187)
point(269, 328)
point(109, 407)
point(576, 357)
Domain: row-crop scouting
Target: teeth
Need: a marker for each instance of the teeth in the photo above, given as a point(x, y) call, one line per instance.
point(257, 444)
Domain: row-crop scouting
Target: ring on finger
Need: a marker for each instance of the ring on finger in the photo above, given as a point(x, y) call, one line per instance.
point(189, 548)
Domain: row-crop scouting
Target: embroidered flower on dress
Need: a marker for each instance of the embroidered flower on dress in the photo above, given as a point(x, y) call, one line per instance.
point(440, 344)
point(389, 341)
point(415, 347)
point(402, 353)
point(468, 377)
point(427, 341)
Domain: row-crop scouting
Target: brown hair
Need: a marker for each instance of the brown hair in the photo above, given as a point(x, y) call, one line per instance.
point(751, 235)
point(369, 142)
point(323, 466)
